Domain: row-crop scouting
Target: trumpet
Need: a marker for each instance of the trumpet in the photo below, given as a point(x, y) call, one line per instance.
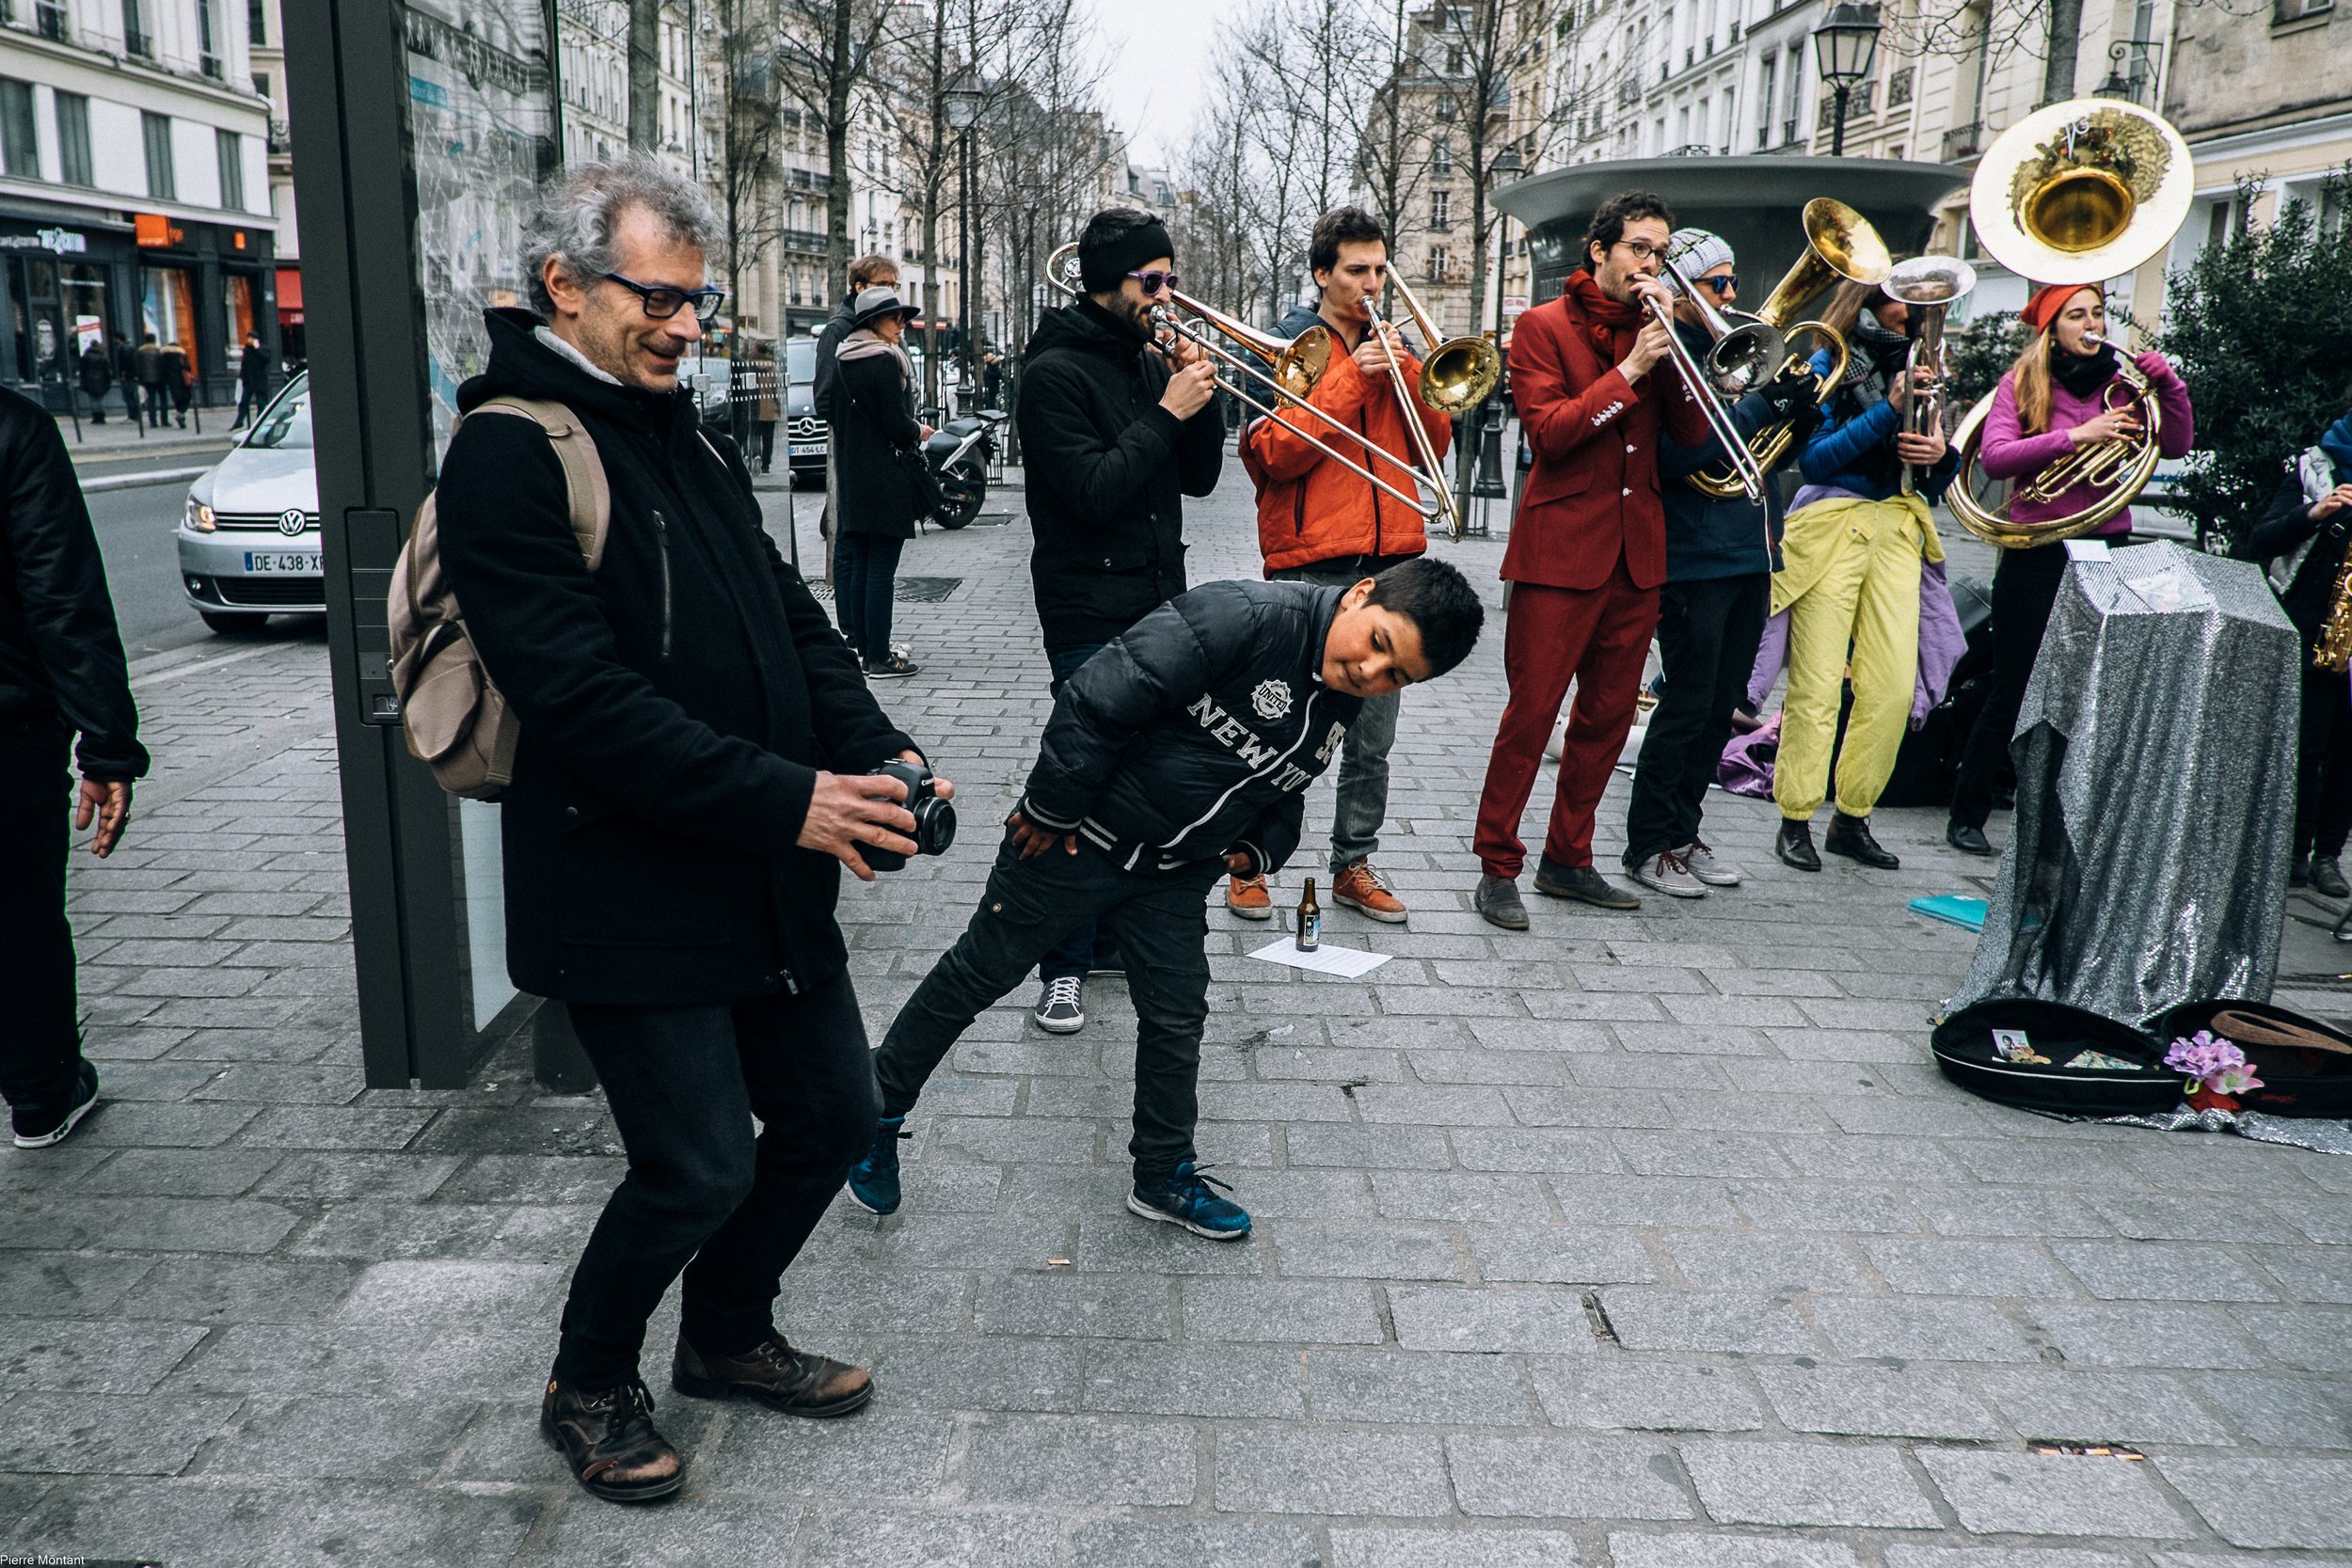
point(1739, 351)
point(1839, 243)
point(1931, 286)
point(1298, 364)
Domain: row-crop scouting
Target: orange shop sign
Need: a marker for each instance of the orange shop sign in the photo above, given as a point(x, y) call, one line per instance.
point(154, 229)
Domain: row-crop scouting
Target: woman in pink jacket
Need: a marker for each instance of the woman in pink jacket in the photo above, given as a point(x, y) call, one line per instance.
point(2051, 402)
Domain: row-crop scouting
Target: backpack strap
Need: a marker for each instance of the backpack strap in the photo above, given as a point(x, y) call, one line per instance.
point(588, 492)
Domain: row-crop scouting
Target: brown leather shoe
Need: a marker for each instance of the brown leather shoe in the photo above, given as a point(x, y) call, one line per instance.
point(1360, 887)
point(797, 1381)
point(1248, 897)
point(609, 1439)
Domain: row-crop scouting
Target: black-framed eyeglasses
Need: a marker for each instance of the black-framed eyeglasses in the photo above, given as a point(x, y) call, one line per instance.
point(664, 303)
point(1642, 250)
point(1154, 280)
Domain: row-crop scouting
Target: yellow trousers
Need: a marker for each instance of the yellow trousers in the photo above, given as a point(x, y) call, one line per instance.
point(1850, 584)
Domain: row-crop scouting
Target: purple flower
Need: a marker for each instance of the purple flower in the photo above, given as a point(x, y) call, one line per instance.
point(2216, 1062)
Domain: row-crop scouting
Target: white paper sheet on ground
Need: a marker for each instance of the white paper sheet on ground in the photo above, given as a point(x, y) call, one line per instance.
point(1346, 962)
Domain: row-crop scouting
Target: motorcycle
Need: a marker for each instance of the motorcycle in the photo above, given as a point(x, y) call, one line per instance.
point(959, 453)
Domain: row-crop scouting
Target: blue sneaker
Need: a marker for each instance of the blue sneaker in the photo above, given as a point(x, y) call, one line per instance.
point(874, 1180)
point(1185, 1200)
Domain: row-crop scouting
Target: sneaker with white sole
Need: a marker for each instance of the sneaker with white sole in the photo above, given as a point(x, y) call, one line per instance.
point(1058, 1011)
point(1708, 866)
point(1186, 1198)
point(31, 1135)
point(1666, 872)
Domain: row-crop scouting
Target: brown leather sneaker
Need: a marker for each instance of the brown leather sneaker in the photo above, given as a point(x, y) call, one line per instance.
point(797, 1381)
point(610, 1441)
point(1248, 897)
point(1360, 887)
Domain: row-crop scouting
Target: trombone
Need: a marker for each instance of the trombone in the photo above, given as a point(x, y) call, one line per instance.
point(1744, 355)
point(1409, 409)
point(1459, 374)
point(1298, 364)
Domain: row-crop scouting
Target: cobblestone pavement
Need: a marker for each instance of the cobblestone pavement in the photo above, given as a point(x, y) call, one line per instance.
point(1647, 1241)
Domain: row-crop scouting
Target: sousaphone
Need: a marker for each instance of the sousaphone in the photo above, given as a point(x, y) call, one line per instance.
point(2080, 192)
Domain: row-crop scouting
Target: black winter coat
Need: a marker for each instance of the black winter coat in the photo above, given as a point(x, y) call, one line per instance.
point(675, 707)
point(821, 388)
point(1197, 732)
point(60, 656)
point(1108, 470)
point(873, 491)
point(98, 370)
point(253, 371)
point(2284, 524)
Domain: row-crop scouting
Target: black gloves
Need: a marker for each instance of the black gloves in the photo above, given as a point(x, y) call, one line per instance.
point(1793, 391)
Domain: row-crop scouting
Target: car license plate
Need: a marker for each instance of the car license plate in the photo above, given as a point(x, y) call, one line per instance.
point(291, 562)
point(807, 448)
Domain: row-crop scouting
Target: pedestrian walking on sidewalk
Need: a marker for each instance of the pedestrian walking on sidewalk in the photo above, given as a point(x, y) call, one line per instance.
point(1177, 754)
point(880, 493)
point(866, 272)
point(1320, 521)
point(126, 368)
point(1112, 439)
point(252, 381)
point(98, 378)
point(179, 380)
point(150, 361)
point(64, 689)
point(694, 768)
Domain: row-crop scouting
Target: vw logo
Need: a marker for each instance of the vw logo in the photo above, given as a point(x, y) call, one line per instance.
point(291, 522)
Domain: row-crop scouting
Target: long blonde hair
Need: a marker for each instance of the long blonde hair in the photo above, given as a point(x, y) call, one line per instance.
point(2029, 383)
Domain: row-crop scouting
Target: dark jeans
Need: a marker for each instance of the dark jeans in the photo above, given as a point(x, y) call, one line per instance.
point(158, 406)
point(764, 438)
point(2024, 586)
point(683, 1084)
point(1160, 919)
point(2323, 775)
point(864, 573)
point(249, 401)
point(41, 1049)
point(1708, 633)
point(1361, 801)
point(1075, 953)
point(131, 399)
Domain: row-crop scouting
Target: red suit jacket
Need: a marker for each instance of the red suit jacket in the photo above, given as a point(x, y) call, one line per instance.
point(1593, 492)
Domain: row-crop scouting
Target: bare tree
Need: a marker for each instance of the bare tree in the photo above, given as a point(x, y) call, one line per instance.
point(748, 112)
point(1393, 158)
point(1499, 41)
point(645, 73)
point(825, 58)
point(1049, 154)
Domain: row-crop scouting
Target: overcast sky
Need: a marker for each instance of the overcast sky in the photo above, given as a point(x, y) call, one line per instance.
point(1156, 55)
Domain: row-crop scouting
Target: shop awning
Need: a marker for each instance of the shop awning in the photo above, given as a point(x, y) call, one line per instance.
point(289, 294)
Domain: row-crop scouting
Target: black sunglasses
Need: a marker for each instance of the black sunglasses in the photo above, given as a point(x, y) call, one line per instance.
point(1721, 285)
point(661, 304)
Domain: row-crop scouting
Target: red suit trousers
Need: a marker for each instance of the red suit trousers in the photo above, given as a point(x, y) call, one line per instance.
point(1599, 637)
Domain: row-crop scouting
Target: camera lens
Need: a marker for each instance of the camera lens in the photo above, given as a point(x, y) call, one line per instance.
point(935, 825)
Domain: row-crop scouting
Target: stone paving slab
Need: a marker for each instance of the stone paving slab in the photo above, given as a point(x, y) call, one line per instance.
point(1639, 1241)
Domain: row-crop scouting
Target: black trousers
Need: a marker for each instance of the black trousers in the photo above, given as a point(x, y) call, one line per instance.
point(864, 579)
point(40, 1046)
point(703, 1194)
point(1708, 633)
point(2323, 774)
point(2024, 586)
point(1081, 944)
point(1160, 920)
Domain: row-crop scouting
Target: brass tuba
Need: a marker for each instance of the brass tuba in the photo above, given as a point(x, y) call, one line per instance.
point(2077, 193)
point(1839, 243)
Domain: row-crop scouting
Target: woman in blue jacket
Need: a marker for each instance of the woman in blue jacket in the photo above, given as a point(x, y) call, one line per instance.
point(1849, 581)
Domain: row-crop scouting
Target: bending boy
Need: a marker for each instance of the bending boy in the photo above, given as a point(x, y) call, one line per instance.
point(1179, 753)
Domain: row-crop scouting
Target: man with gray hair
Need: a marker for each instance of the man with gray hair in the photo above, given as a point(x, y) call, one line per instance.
point(696, 767)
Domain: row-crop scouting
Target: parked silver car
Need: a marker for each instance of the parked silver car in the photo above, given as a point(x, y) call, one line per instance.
point(249, 535)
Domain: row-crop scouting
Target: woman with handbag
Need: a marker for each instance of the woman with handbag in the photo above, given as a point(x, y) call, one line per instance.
point(882, 483)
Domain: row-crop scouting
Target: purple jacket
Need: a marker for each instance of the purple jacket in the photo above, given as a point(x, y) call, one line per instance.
point(2007, 452)
point(1940, 643)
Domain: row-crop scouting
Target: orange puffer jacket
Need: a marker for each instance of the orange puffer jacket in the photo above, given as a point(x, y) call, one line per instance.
point(1312, 509)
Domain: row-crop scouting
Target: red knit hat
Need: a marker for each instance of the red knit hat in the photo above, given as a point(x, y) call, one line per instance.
point(2049, 299)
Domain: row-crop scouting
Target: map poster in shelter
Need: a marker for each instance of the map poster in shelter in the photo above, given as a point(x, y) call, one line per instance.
point(481, 133)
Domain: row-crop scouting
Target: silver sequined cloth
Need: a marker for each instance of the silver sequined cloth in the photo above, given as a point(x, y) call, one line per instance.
point(2155, 792)
point(2327, 1137)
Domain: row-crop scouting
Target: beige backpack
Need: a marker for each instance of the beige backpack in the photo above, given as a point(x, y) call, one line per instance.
point(455, 720)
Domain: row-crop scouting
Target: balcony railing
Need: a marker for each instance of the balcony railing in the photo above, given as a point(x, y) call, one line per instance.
point(1963, 141)
point(810, 241)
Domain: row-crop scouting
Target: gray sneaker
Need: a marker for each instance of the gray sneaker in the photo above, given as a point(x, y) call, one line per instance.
point(1497, 901)
point(1708, 866)
point(1668, 872)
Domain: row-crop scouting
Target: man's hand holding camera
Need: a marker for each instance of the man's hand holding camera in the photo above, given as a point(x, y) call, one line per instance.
point(853, 812)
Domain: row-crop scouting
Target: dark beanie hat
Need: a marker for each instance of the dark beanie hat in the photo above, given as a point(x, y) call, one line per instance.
point(1114, 245)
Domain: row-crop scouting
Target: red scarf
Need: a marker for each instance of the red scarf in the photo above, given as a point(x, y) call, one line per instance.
point(1611, 324)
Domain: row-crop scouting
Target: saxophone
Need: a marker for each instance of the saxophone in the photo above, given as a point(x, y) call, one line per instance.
point(2334, 649)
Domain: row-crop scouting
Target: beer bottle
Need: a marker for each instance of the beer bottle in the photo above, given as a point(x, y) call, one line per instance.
point(1309, 920)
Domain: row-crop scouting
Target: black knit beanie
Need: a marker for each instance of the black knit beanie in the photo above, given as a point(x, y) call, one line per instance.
point(1114, 245)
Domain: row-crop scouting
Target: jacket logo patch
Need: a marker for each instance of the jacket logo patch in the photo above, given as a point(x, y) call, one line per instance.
point(1272, 698)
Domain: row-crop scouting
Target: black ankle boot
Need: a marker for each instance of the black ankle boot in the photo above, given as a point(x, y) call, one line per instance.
point(1850, 836)
point(1794, 845)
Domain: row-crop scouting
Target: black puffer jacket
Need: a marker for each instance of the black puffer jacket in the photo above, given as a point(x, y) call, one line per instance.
point(675, 707)
point(60, 656)
point(1198, 731)
point(1108, 470)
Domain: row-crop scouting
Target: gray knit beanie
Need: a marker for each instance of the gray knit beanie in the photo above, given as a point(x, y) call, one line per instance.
point(1697, 251)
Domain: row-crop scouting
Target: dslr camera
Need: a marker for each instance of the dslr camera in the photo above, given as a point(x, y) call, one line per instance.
point(934, 818)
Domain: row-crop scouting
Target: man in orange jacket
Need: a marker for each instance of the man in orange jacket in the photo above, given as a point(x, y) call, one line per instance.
point(1320, 522)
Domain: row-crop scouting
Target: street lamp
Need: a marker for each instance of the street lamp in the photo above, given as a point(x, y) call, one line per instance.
point(961, 102)
point(1846, 46)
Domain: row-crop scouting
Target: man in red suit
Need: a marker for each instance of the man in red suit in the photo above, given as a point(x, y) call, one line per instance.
point(1588, 549)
